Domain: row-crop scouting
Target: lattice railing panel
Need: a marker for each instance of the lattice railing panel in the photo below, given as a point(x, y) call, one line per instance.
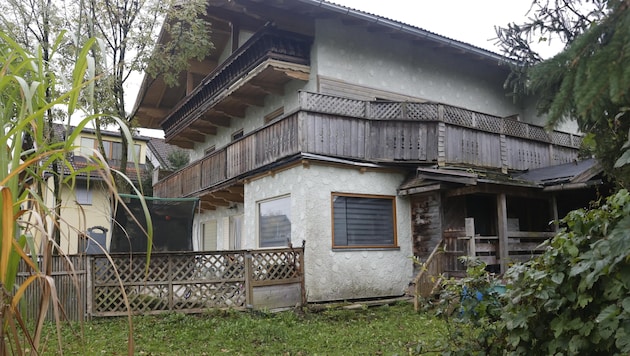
point(458, 116)
point(275, 266)
point(386, 110)
point(215, 295)
point(565, 139)
point(109, 299)
point(422, 112)
point(335, 105)
point(488, 123)
point(515, 128)
point(538, 133)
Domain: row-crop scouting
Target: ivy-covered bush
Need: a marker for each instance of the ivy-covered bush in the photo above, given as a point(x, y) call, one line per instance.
point(575, 298)
point(471, 307)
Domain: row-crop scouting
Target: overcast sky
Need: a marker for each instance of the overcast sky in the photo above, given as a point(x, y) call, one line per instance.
point(470, 21)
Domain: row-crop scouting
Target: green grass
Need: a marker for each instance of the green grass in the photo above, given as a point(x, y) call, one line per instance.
point(385, 330)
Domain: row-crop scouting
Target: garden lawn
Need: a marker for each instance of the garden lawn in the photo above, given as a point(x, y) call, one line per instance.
point(383, 330)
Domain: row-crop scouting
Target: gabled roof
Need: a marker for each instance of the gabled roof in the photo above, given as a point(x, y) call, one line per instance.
point(156, 100)
point(161, 150)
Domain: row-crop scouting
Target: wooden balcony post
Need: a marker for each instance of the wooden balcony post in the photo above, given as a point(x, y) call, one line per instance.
point(470, 234)
point(502, 231)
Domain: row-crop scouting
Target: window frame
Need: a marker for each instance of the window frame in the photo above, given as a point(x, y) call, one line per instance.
point(394, 227)
point(259, 220)
point(83, 195)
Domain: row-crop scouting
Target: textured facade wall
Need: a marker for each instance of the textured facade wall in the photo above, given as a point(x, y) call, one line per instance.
point(371, 59)
point(335, 274)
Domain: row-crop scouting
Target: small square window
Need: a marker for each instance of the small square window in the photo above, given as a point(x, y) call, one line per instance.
point(274, 114)
point(209, 150)
point(238, 134)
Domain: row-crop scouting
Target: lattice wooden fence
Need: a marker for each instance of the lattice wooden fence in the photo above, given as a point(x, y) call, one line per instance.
point(188, 282)
point(192, 282)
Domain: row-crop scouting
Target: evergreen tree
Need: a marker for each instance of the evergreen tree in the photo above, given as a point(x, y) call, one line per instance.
point(589, 81)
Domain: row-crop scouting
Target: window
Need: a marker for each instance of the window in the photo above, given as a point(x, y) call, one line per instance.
point(83, 195)
point(274, 115)
point(209, 236)
point(113, 150)
point(236, 231)
point(87, 146)
point(238, 134)
point(209, 150)
point(274, 222)
point(363, 221)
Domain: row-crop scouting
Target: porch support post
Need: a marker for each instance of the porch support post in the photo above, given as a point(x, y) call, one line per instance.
point(502, 231)
point(554, 211)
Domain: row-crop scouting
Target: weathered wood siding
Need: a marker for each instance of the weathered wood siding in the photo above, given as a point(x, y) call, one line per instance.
point(213, 169)
point(379, 131)
point(336, 136)
point(426, 221)
point(477, 148)
point(399, 141)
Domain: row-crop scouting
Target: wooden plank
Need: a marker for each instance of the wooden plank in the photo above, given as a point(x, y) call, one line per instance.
point(485, 247)
point(525, 246)
point(531, 234)
point(277, 296)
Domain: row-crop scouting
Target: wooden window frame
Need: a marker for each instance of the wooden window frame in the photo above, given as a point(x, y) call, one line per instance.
point(274, 115)
point(391, 198)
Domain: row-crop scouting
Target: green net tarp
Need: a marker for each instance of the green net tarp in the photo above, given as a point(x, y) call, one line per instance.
point(172, 224)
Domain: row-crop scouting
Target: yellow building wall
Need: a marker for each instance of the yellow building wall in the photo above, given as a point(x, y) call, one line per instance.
point(77, 218)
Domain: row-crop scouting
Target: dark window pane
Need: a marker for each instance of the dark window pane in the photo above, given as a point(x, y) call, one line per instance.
point(363, 221)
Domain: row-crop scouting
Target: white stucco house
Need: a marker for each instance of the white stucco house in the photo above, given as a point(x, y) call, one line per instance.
point(368, 139)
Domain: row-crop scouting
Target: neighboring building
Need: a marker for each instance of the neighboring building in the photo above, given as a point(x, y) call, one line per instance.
point(369, 139)
point(87, 204)
point(158, 153)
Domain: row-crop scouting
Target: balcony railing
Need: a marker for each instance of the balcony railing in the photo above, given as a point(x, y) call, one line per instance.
point(265, 45)
point(382, 132)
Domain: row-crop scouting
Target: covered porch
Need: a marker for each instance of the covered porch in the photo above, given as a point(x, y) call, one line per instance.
point(498, 218)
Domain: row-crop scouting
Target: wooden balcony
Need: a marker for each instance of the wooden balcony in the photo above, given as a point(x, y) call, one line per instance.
point(380, 132)
point(261, 66)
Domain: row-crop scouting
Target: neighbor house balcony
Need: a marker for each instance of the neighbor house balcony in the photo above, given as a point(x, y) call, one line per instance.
point(260, 67)
point(378, 132)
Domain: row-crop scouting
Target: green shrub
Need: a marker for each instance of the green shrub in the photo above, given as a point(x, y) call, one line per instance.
point(575, 298)
point(471, 308)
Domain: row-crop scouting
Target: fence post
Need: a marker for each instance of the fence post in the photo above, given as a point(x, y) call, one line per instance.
point(301, 272)
point(249, 275)
point(88, 287)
